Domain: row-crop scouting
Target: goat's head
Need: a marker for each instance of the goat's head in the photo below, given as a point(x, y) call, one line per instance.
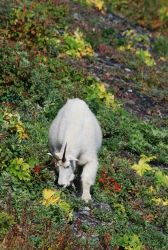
point(65, 164)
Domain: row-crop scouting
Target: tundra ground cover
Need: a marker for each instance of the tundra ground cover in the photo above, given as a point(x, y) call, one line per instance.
point(54, 50)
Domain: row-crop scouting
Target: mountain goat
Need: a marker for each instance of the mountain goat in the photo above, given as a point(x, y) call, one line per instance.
point(74, 140)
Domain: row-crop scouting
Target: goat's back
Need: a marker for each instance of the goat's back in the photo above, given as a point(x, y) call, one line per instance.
point(76, 125)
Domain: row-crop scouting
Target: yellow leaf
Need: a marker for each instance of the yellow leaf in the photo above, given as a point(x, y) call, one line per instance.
point(110, 100)
point(89, 51)
point(70, 216)
point(102, 88)
point(77, 46)
point(146, 57)
point(163, 59)
point(159, 201)
point(151, 189)
point(143, 165)
point(121, 48)
point(50, 197)
point(99, 4)
point(67, 209)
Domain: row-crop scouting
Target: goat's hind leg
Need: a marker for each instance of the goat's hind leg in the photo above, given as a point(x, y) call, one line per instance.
point(88, 178)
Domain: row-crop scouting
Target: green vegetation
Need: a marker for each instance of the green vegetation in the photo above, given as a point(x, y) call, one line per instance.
point(151, 14)
point(51, 51)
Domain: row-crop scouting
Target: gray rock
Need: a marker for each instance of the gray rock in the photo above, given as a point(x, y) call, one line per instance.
point(110, 16)
point(127, 69)
point(76, 16)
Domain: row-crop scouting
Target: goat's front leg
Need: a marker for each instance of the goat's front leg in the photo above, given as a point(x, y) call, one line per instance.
point(88, 178)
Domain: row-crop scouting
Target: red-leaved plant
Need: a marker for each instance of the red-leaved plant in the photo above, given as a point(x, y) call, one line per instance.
point(37, 169)
point(108, 182)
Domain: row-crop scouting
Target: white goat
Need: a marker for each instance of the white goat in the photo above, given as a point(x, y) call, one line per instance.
point(74, 140)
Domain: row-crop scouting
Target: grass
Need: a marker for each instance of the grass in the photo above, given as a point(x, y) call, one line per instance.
point(41, 49)
point(151, 14)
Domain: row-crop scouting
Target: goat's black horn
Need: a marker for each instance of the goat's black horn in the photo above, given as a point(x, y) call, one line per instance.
point(63, 157)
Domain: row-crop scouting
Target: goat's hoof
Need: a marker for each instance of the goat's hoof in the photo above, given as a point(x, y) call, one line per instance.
point(86, 198)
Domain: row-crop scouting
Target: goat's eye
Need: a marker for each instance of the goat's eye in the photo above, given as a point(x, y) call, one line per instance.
point(58, 164)
point(67, 166)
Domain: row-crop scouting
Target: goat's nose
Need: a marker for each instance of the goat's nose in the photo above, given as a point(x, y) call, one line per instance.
point(64, 184)
point(61, 185)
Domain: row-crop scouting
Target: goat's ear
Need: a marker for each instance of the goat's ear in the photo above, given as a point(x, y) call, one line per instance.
point(72, 158)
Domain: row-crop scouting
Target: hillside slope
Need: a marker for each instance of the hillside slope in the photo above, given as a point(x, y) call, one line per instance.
point(115, 60)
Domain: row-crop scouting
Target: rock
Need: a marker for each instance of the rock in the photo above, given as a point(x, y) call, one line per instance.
point(86, 208)
point(103, 206)
point(127, 69)
point(110, 16)
point(76, 16)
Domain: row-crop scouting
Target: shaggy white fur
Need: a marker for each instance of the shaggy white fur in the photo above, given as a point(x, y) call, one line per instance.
point(74, 140)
